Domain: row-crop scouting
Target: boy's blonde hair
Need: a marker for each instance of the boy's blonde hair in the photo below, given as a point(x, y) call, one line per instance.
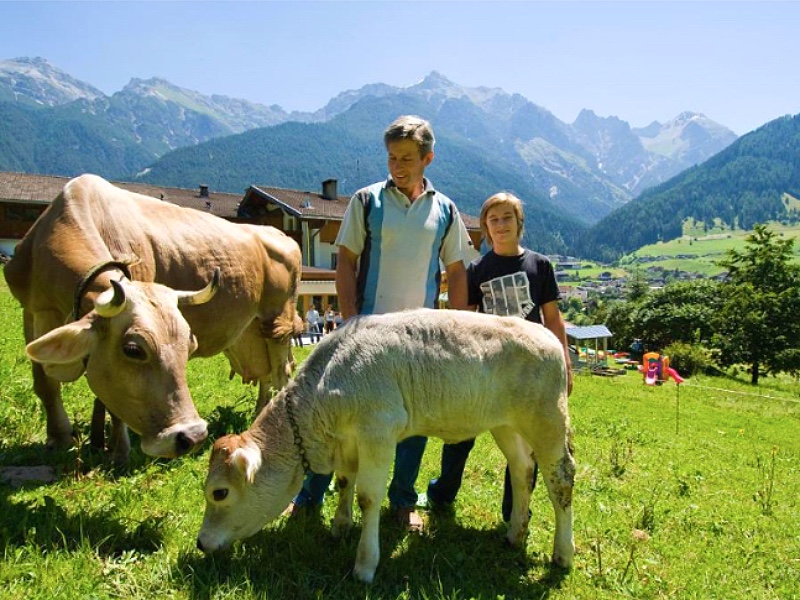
point(502, 199)
point(414, 128)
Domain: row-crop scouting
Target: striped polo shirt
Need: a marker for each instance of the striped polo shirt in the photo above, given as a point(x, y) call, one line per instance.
point(400, 244)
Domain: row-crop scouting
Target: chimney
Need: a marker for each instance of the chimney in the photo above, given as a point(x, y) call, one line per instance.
point(203, 191)
point(329, 190)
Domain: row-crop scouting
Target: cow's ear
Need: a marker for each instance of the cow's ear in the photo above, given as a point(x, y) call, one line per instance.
point(67, 344)
point(247, 460)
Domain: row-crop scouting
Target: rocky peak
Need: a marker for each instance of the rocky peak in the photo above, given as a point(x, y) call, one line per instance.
point(36, 81)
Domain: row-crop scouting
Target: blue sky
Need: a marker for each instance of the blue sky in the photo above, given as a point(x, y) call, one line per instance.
point(736, 62)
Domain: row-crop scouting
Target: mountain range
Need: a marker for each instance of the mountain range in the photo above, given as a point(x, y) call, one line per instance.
point(571, 175)
point(588, 167)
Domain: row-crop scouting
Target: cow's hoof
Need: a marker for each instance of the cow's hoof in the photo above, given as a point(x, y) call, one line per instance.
point(562, 560)
point(518, 539)
point(340, 529)
point(364, 574)
point(59, 442)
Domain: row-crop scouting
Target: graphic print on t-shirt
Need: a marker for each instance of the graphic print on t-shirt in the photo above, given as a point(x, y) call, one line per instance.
point(508, 296)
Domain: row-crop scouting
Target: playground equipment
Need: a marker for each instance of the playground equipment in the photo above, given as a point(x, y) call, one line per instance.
point(656, 369)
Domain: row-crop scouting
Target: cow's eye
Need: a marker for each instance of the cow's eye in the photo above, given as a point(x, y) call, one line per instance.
point(220, 494)
point(134, 351)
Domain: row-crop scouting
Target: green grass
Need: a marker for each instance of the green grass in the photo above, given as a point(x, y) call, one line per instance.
point(709, 511)
point(701, 249)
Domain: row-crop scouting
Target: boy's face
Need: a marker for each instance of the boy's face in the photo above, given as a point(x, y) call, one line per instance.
point(501, 225)
point(406, 166)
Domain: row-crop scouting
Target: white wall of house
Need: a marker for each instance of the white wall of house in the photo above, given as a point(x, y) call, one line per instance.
point(324, 255)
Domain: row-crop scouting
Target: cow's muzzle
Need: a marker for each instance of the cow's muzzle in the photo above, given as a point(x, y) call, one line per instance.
point(177, 440)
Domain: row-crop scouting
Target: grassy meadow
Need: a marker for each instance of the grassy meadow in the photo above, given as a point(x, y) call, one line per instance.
point(698, 249)
point(681, 492)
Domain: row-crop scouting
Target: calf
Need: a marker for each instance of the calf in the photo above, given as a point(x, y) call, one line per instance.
point(378, 380)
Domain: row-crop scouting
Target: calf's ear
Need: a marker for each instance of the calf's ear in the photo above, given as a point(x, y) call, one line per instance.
point(247, 460)
point(64, 345)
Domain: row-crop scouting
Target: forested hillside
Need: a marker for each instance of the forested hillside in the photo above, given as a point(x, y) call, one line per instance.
point(65, 141)
point(350, 149)
point(743, 185)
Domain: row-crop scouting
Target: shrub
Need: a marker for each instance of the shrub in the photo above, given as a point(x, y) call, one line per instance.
point(689, 359)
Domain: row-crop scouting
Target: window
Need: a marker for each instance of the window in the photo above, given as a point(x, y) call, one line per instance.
point(22, 213)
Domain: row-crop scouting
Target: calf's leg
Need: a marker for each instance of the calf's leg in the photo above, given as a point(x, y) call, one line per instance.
point(520, 466)
point(553, 452)
point(346, 483)
point(373, 471)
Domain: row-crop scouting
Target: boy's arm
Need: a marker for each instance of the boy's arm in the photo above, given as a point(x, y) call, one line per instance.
point(555, 323)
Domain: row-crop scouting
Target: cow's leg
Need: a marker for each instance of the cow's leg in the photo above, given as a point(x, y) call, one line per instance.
point(373, 471)
point(48, 389)
point(59, 428)
point(520, 466)
point(120, 442)
point(553, 452)
point(97, 430)
point(279, 363)
point(249, 358)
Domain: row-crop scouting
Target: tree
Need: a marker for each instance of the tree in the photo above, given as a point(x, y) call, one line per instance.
point(638, 287)
point(757, 323)
point(680, 312)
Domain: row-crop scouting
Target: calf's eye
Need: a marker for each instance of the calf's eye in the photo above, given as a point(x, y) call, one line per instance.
point(220, 494)
point(133, 351)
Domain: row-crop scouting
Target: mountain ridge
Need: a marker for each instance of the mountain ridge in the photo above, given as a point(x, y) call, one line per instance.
point(584, 170)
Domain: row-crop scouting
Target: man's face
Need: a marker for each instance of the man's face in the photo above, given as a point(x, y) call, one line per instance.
point(407, 167)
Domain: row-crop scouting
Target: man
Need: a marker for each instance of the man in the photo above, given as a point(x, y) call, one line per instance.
point(393, 237)
point(509, 280)
point(312, 319)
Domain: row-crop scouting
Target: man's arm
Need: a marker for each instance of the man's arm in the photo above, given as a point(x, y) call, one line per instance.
point(457, 285)
point(555, 323)
point(346, 271)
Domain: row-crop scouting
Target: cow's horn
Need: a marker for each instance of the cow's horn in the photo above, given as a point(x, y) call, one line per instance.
point(111, 302)
point(202, 296)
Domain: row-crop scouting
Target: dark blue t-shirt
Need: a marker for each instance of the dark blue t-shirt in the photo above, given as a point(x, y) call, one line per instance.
point(512, 285)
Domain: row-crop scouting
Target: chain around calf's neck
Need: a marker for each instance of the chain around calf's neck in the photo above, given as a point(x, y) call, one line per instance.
point(298, 440)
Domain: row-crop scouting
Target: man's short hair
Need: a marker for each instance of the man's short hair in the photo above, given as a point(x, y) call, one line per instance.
point(414, 128)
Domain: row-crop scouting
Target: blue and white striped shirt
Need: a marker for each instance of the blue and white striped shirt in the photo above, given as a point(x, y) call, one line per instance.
point(400, 244)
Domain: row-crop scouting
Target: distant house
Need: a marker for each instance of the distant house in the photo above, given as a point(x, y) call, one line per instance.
point(312, 219)
point(569, 291)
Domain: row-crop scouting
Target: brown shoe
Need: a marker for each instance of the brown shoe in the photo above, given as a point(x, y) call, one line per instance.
point(291, 511)
point(297, 510)
point(410, 519)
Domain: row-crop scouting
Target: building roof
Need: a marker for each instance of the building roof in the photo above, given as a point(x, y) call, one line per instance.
point(36, 189)
point(42, 189)
point(309, 205)
point(305, 205)
point(590, 332)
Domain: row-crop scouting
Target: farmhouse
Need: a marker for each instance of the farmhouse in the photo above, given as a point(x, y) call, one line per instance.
point(311, 218)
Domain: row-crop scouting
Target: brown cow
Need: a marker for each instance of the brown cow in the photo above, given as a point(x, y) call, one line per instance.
point(133, 342)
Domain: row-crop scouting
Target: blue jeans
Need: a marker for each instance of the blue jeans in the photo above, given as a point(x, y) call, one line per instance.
point(407, 460)
point(444, 489)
